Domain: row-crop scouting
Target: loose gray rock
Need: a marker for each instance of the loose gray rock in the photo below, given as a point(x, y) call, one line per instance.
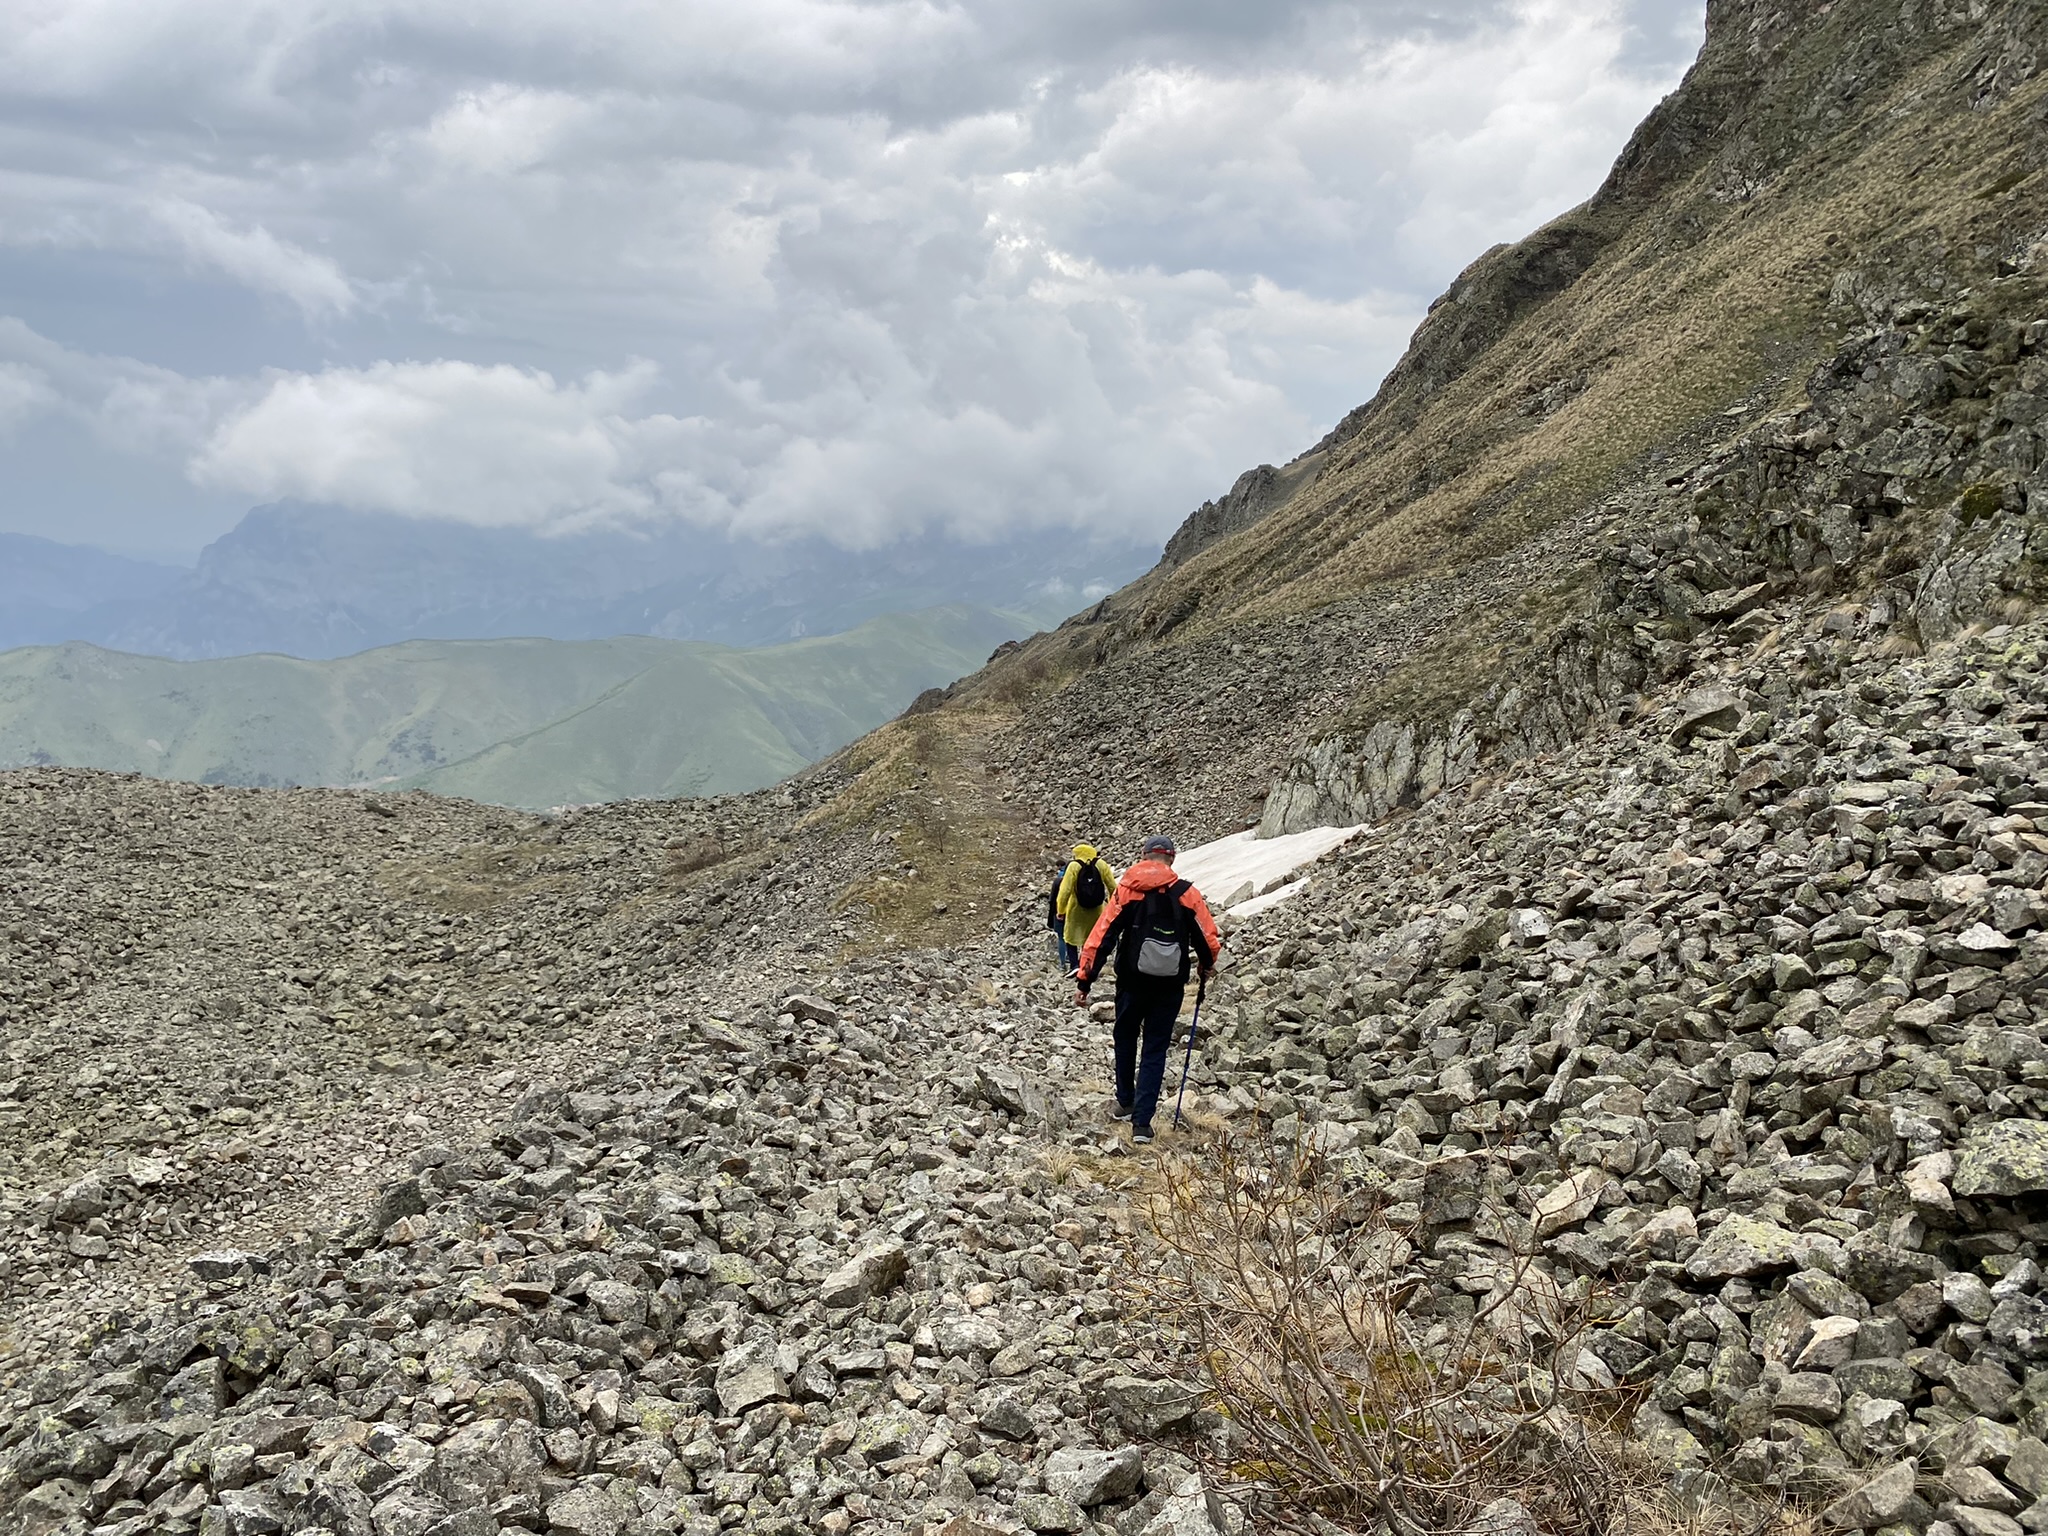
point(2007, 1157)
point(1091, 1477)
point(1742, 1246)
point(1002, 1414)
point(750, 1374)
point(1193, 1509)
point(958, 1336)
point(1050, 1513)
point(1452, 1189)
point(1008, 1089)
point(1887, 1498)
point(1150, 1408)
point(1503, 1517)
point(871, 1272)
point(225, 1263)
point(587, 1511)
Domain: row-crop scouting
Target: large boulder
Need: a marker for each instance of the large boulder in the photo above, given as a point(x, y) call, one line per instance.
point(868, 1273)
point(1003, 1413)
point(1150, 1407)
point(484, 1462)
point(1709, 709)
point(1504, 1517)
point(218, 1264)
point(1889, 1498)
point(1743, 1245)
point(1050, 1514)
point(886, 1435)
point(748, 1375)
point(1192, 1510)
point(2004, 1157)
point(1090, 1477)
point(958, 1336)
point(1453, 1189)
point(397, 1200)
point(810, 1009)
point(1571, 1201)
point(1007, 1089)
point(588, 1511)
point(56, 1450)
point(552, 1404)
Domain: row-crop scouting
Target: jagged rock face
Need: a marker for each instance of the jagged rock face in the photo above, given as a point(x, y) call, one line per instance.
point(1908, 480)
point(1602, 356)
point(1256, 493)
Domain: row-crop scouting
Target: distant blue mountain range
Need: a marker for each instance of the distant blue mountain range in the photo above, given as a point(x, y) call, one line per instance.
point(51, 591)
point(317, 582)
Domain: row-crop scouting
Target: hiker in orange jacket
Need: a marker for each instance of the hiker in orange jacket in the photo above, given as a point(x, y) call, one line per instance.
point(1159, 928)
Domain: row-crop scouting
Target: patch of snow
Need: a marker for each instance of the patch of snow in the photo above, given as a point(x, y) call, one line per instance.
point(1232, 870)
point(1272, 898)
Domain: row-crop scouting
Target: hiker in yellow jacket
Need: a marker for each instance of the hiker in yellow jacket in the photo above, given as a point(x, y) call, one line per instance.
point(1084, 891)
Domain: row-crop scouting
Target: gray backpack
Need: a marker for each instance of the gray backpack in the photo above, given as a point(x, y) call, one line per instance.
point(1162, 932)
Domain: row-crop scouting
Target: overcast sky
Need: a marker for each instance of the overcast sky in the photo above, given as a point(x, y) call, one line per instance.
point(860, 266)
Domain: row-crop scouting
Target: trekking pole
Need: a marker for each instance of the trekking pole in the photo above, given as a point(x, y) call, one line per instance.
point(1201, 986)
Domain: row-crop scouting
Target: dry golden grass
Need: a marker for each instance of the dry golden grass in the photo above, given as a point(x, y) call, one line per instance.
point(1670, 328)
point(477, 879)
point(924, 783)
point(1713, 292)
point(1901, 642)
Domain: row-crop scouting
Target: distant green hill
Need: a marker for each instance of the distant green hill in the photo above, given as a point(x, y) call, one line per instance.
point(515, 722)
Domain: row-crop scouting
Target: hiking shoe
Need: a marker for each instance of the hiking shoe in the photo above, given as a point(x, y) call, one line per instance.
point(1121, 1112)
point(1141, 1134)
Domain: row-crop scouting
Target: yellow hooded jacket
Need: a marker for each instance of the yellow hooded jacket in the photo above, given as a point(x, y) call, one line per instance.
point(1081, 920)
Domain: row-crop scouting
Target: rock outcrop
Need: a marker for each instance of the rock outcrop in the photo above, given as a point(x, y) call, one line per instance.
point(1904, 480)
point(1256, 493)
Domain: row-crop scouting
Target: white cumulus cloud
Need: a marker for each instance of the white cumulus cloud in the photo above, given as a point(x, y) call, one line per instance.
point(859, 267)
point(256, 257)
point(24, 392)
point(506, 445)
point(502, 128)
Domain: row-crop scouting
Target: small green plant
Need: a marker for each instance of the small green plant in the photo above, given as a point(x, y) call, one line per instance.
point(1977, 503)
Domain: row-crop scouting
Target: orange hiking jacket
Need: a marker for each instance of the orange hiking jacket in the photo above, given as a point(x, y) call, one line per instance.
point(1138, 882)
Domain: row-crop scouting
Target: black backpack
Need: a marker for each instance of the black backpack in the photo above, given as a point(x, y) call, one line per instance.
point(1088, 887)
point(1158, 939)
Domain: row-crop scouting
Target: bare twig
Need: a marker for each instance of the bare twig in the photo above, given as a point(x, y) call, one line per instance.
point(1300, 1303)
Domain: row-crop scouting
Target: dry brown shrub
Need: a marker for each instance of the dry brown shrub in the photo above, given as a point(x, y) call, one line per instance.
point(698, 853)
point(1902, 641)
point(1356, 1394)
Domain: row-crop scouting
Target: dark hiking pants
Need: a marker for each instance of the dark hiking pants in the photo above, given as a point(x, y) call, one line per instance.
point(1145, 1012)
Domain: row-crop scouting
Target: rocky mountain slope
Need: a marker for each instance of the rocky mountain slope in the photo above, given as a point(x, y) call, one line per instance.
point(1820, 167)
point(511, 722)
point(1678, 1025)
